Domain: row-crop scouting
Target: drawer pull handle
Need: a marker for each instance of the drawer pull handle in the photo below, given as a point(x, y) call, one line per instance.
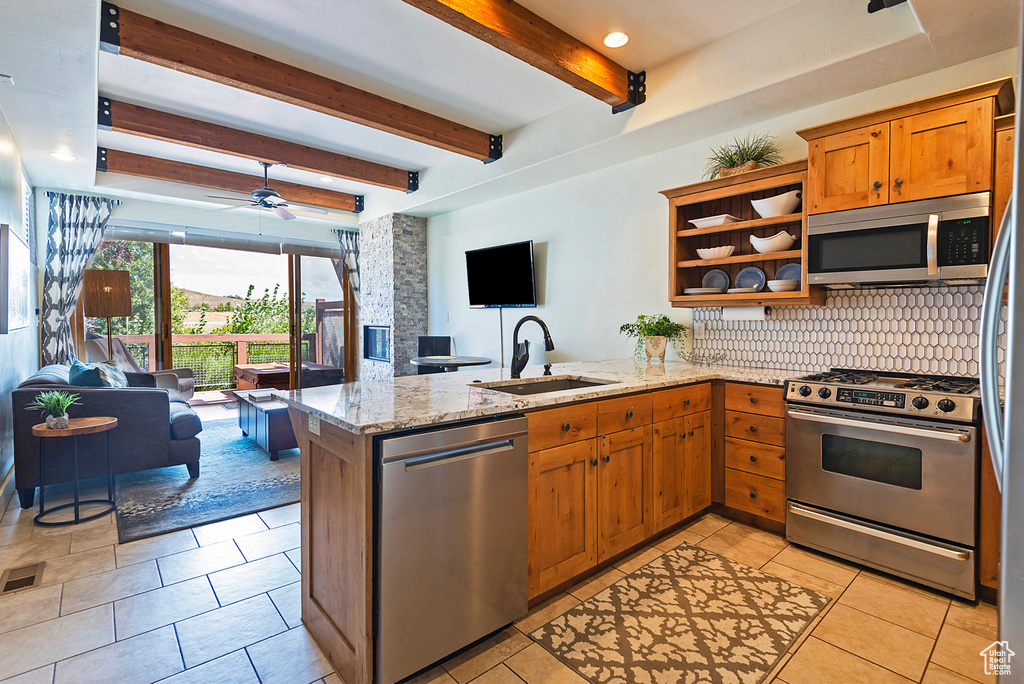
point(877, 184)
point(629, 413)
point(753, 495)
point(594, 462)
point(686, 403)
point(566, 427)
point(898, 182)
point(607, 458)
point(691, 433)
point(753, 459)
point(753, 428)
point(753, 400)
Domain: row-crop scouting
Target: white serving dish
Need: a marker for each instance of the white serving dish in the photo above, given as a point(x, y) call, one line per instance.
point(779, 242)
point(779, 205)
point(709, 221)
point(703, 290)
point(783, 285)
point(741, 290)
point(716, 252)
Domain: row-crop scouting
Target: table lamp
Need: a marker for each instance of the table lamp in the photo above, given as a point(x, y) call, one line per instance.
point(107, 295)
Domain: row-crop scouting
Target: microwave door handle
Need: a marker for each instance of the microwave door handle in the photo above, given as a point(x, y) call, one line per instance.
point(947, 435)
point(933, 244)
point(989, 344)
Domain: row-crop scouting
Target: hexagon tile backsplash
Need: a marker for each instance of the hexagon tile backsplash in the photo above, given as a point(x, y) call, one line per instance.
point(909, 330)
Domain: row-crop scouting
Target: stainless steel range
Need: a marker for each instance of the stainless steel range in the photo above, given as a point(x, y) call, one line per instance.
point(881, 469)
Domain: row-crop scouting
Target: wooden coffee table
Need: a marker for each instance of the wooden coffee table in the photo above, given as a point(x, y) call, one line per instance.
point(266, 422)
point(250, 376)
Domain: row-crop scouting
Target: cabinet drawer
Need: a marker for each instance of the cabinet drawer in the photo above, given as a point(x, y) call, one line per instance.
point(766, 401)
point(761, 496)
point(615, 415)
point(681, 401)
point(756, 428)
point(564, 425)
point(756, 458)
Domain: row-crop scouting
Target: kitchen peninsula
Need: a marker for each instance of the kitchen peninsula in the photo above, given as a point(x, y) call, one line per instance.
point(610, 466)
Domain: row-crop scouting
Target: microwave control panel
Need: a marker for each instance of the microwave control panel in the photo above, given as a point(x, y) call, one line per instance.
point(963, 242)
point(872, 398)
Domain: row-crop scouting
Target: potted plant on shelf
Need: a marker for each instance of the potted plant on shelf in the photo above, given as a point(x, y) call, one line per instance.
point(54, 405)
point(652, 335)
point(746, 154)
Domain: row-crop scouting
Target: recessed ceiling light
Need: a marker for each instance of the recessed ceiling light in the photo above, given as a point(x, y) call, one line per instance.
point(616, 39)
point(326, 179)
point(63, 156)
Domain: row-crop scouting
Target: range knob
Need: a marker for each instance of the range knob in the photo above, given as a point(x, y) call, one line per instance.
point(824, 393)
point(805, 391)
point(920, 403)
point(946, 405)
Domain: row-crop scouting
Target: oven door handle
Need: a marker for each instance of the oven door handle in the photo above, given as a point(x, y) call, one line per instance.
point(948, 435)
point(797, 509)
point(933, 244)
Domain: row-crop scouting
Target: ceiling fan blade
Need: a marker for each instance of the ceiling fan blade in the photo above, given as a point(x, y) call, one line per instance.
point(283, 213)
point(234, 199)
point(237, 206)
point(308, 210)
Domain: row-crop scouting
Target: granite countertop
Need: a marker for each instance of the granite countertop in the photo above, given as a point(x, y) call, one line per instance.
point(372, 407)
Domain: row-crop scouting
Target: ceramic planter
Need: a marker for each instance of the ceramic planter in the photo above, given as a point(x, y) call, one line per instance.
point(57, 422)
point(654, 347)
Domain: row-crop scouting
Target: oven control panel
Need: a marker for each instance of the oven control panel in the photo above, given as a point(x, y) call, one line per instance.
point(871, 398)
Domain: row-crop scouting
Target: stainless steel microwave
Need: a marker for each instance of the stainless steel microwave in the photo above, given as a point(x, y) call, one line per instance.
point(945, 239)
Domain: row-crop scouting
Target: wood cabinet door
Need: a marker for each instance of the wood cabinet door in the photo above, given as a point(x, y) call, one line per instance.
point(563, 509)
point(947, 151)
point(990, 521)
point(668, 474)
point(621, 505)
point(698, 461)
point(848, 170)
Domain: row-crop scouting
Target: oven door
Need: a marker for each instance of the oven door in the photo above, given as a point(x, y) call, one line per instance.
point(913, 475)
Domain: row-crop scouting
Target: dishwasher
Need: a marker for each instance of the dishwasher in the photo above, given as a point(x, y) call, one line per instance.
point(450, 561)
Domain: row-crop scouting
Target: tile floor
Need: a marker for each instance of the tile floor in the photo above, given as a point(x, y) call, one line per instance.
point(220, 603)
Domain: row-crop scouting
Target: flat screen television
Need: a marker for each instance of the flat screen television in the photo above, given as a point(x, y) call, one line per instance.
point(501, 276)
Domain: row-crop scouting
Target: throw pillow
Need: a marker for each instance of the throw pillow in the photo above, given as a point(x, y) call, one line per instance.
point(111, 375)
point(84, 375)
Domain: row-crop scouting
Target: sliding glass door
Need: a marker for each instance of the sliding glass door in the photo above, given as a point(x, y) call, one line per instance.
point(321, 322)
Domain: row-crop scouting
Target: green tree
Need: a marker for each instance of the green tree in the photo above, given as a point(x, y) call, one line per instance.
point(137, 259)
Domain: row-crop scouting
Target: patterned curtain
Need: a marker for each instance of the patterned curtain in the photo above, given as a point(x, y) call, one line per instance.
point(350, 249)
point(75, 229)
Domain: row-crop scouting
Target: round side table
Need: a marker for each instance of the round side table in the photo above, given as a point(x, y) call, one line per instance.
point(75, 429)
point(450, 364)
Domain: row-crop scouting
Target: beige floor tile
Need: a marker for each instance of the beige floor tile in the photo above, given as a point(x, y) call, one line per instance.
point(90, 526)
point(94, 538)
point(163, 606)
point(763, 536)
point(809, 630)
point(288, 600)
point(740, 549)
point(29, 607)
point(234, 668)
point(818, 662)
point(76, 565)
point(936, 674)
point(707, 525)
point(778, 667)
point(282, 515)
point(335, 679)
point(229, 529)
point(289, 658)
point(638, 560)
point(43, 675)
point(890, 602)
point(197, 562)
point(35, 550)
point(893, 647)
point(219, 632)
point(802, 579)
point(960, 651)
point(981, 619)
point(498, 675)
point(269, 542)
point(109, 586)
point(436, 675)
point(816, 564)
point(32, 647)
point(546, 612)
point(244, 581)
point(536, 666)
point(15, 534)
point(295, 556)
point(472, 663)
point(139, 660)
point(154, 547)
point(596, 583)
point(681, 537)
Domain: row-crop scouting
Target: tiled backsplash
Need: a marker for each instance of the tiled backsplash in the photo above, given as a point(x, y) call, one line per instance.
point(910, 330)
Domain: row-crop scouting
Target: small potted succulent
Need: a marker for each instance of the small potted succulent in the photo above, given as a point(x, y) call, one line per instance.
point(652, 335)
point(54, 405)
point(746, 154)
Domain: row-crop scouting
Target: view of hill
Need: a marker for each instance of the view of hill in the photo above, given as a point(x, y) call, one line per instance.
point(197, 299)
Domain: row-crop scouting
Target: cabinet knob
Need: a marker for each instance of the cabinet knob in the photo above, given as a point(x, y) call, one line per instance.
point(753, 428)
point(629, 413)
point(753, 495)
point(874, 134)
point(876, 185)
point(607, 458)
point(686, 403)
point(898, 181)
point(566, 427)
point(753, 400)
point(753, 459)
point(593, 462)
point(691, 433)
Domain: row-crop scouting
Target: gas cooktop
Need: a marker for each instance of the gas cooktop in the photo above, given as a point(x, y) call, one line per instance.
point(928, 396)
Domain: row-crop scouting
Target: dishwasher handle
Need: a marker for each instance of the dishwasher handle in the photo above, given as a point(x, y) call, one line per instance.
point(447, 456)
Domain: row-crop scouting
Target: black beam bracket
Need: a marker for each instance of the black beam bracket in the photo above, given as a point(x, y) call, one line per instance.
point(110, 28)
point(101, 158)
point(495, 149)
point(104, 120)
point(876, 5)
point(636, 92)
point(414, 182)
point(359, 204)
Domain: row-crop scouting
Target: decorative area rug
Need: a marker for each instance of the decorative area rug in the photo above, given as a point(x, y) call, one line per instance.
point(236, 477)
point(688, 616)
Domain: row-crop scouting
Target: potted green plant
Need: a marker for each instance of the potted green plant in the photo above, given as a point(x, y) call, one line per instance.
point(54, 405)
point(652, 335)
point(746, 154)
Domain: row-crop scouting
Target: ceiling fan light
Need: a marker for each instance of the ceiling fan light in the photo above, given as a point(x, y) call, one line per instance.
point(326, 179)
point(616, 39)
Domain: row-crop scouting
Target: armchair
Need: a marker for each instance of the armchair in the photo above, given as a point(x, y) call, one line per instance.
point(180, 379)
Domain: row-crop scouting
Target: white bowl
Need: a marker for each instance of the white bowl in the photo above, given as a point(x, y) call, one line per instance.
point(716, 252)
point(779, 205)
point(709, 221)
point(776, 243)
point(783, 285)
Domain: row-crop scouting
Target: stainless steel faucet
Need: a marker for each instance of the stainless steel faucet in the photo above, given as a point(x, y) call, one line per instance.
point(521, 350)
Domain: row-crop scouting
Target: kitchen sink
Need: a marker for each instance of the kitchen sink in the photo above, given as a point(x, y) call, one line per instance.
point(556, 383)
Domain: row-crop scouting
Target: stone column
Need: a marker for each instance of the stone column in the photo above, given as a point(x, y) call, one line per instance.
point(393, 289)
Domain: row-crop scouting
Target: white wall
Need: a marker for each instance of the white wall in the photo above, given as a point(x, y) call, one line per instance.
point(601, 239)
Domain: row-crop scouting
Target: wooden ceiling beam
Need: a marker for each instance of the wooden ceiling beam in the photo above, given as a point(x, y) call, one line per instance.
point(512, 28)
point(127, 163)
point(122, 117)
point(140, 37)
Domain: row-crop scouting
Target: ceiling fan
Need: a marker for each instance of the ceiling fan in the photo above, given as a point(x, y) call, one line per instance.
point(267, 198)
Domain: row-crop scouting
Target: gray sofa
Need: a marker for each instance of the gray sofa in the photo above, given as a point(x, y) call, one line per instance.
point(156, 428)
